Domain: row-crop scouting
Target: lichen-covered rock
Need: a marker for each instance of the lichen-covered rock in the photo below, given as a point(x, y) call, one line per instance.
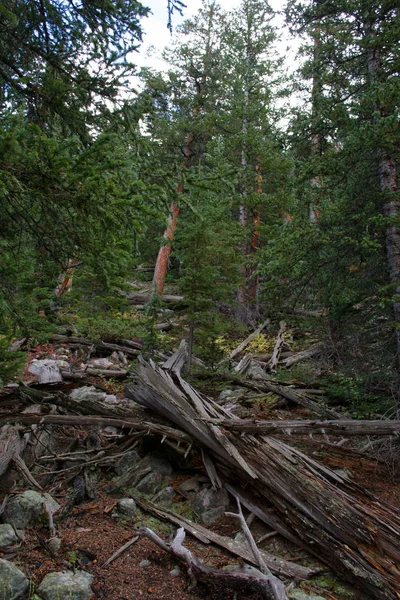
point(27, 508)
point(8, 537)
point(210, 505)
point(66, 585)
point(87, 393)
point(47, 370)
point(127, 461)
point(13, 583)
point(127, 507)
point(151, 483)
point(164, 496)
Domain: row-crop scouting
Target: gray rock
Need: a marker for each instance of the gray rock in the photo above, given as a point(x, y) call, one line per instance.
point(175, 572)
point(47, 370)
point(151, 483)
point(213, 515)
point(7, 536)
point(127, 507)
point(66, 585)
point(159, 464)
point(164, 496)
point(27, 508)
point(194, 483)
point(127, 461)
point(13, 583)
point(54, 544)
point(210, 505)
point(87, 393)
point(145, 563)
point(102, 363)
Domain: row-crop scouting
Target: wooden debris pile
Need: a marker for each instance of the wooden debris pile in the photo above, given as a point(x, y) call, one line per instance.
point(331, 517)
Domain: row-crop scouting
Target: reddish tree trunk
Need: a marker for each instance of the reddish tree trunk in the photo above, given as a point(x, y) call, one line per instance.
point(160, 270)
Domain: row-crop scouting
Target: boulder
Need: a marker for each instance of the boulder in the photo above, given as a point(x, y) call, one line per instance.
point(13, 583)
point(66, 584)
point(127, 461)
point(27, 508)
point(47, 370)
point(8, 536)
point(127, 507)
point(88, 393)
point(151, 483)
point(164, 497)
point(210, 505)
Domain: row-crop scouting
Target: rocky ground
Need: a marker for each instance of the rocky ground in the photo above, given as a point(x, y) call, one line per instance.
point(57, 543)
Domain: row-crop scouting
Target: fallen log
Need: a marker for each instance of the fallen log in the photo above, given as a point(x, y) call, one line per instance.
point(81, 420)
point(280, 342)
point(303, 355)
point(346, 427)
point(143, 298)
point(336, 520)
point(247, 341)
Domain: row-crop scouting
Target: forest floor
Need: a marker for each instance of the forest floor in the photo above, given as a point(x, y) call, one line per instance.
point(91, 533)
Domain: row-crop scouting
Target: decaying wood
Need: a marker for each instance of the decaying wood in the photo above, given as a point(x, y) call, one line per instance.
point(121, 550)
point(246, 578)
point(82, 420)
point(280, 342)
point(82, 375)
point(276, 564)
point(336, 520)
point(303, 355)
point(247, 341)
point(346, 427)
point(128, 347)
point(143, 298)
point(258, 557)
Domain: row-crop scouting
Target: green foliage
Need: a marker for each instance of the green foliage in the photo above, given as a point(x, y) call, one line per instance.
point(11, 362)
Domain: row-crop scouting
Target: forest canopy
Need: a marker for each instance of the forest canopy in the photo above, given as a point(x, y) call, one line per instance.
point(221, 179)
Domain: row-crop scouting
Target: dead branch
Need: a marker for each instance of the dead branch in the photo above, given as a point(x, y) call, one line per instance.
point(247, 578)
point(280, 342)
point(121, 550)
point(276, 564)
point(247, 341)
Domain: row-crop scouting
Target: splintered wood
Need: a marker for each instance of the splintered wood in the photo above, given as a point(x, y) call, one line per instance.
point(331, 517)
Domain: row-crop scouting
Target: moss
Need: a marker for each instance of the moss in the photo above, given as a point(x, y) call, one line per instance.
point(339, 589)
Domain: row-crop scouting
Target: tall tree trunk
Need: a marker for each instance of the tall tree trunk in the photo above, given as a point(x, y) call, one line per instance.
point(316, 142)
point(253, 280)
point(389, 186)
point(160, 270)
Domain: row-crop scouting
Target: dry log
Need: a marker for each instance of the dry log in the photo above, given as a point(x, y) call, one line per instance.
point(336, 520)
point(303, 355)
point(142, 298)
point(246, 579)
point(346, 427)
point(83, 375)
point(247, 341)
point(277, 565)
point(129, 347)
point(280, 342)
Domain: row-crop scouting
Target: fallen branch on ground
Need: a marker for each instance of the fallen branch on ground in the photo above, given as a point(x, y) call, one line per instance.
point(246, 579)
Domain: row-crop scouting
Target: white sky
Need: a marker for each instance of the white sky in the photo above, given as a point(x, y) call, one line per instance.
point(158, 36)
